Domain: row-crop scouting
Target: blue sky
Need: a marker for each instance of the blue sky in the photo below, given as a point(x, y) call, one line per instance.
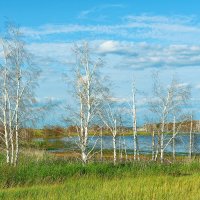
point(133, 37)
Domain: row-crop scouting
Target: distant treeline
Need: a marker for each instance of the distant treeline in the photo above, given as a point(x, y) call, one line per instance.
point(54, 131)
point(49, 131)
point(183, 126)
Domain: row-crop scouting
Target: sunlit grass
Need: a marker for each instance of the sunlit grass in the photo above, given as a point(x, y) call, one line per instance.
point(93, 187)
point(41, 176)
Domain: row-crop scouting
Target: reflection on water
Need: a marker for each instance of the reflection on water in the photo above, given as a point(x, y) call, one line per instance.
point(182, 143)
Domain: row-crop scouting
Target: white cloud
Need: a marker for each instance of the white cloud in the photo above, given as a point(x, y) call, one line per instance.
point(181, 29)
point(144, 55)
point(109, 46)
point(98, 9)
point(52, 52)
point(123, 54)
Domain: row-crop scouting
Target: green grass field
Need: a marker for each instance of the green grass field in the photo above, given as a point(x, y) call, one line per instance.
point(92, 187)
point(40, 176)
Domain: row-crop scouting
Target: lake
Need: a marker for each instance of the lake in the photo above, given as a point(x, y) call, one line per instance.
point(182, 143)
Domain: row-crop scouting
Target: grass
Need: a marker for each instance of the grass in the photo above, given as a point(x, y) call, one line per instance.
point(93, 188)
point(41, 176)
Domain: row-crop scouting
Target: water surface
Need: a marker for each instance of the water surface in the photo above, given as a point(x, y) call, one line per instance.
point(126, 142)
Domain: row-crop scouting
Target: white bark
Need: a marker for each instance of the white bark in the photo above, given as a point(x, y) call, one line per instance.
point(5, 118)
point(191, 141)
point(134, 113)
point(173, 141)
point(120, 148)
point(157, 148)
point(114, 142)
point(153, 145)
point(101, 132)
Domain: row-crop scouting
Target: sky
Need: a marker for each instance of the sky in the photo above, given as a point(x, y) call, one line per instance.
point(133, 37)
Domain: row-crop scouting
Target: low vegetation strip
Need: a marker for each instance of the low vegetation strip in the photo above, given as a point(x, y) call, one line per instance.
point(46, 177)
point(47, 171)
point(94, 188)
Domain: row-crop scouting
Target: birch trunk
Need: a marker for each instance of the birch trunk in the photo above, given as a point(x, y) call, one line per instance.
point(164, 115)
point(6, 135)
point(101, 145)
point(162, 142)
point(84, 154)
point(120, 149)
point(153, 145)
point(191, 142)
point(125, 151)
point(161, 148)
point(10, 131)
point(18, 77)
point(114, 142)
point(135, 139)
point(173, 140)
point(82, 134)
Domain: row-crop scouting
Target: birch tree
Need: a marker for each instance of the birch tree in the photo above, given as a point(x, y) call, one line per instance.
point(165, 101)
point(18, 80)
point(89, 94)
point(134, 115)
point(110, 119)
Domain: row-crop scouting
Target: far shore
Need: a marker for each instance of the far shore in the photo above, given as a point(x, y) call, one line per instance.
point(40, 133)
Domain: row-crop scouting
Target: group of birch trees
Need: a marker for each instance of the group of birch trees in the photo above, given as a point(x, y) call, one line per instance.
point(167, 106)
point(95, 105)
point(17, 82)
point(93, 102)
